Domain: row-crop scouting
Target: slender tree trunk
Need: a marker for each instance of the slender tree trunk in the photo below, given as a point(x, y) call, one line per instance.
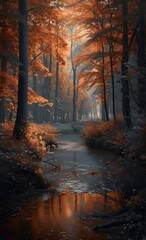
point(56, 93)
point(74, 96)
point(141, 58)
point(103, 118)
point(113, 81)
point(77, 91)
point(35, 107)
point(74, 113)
point(124, 69)
point(50, 79)
point(45, 90)
point(2, 82)
point(47, 85)
point(22, 110)
point(104, 86)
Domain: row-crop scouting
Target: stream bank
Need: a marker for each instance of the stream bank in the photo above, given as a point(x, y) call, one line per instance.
point(86, 184)
point(82, 189)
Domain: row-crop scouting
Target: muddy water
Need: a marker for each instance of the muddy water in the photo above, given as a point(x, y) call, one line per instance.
point(83, 188)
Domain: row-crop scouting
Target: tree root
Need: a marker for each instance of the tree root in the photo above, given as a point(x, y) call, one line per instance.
point(110, 224)
point(108, 215)
point(117, 223)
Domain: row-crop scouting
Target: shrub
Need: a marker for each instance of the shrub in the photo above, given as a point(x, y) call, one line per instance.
point(36, 139)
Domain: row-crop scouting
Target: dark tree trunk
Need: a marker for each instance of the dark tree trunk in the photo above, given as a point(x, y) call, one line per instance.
point(22, 110)
point(2, 101)
point(104, 86)
point(124, 69)
point(113, 82)
point(74, 96)
point(50, 78)
point(56, 93)
point(111, 48)
point(35, 105)
point(141, 58)
point(74, 113)
point(47, 85)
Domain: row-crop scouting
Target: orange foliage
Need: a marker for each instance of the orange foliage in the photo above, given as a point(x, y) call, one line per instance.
point(100, 133)
point(36, 138)
point(8, 90)
point(100, 129)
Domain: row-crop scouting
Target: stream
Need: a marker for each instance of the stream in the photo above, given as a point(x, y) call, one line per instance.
point(84, 186)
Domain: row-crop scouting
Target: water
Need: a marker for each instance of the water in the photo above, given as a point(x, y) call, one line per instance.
point(78, 169)
point(84, 188)
point(60, 216)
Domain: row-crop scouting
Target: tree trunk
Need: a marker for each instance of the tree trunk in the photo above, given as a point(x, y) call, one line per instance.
point(74, 96)
point(141, 58)
point(104, 86)
point(35, 105)
point(22, 110)
point(50, 78)
point(124, 69)
point(56, 93)
point(74, 80)
point(47, 85)
point(113, 82)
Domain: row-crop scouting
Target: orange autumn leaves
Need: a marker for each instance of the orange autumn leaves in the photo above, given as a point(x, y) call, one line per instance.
point(8, 90)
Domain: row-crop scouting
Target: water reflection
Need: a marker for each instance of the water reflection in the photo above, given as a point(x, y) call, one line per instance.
point(60, 217)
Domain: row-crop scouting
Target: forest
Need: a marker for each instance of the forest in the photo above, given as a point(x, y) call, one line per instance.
point(72, 119)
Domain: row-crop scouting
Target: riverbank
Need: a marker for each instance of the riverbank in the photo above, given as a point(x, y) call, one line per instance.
point(79, 171)
point(130, 149)
point(19, 172)
point(113, 136)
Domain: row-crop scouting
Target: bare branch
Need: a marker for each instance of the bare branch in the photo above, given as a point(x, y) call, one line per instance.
point(31, 61)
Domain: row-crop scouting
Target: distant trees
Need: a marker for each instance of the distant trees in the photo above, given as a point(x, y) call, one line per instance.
point(109, 29)
point(37, 22)
point(110, 35)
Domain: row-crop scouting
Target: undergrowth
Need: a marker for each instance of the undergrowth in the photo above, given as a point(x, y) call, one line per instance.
point(38, 138)
point(130, 146)
point(113, 136)
point(19, 172)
